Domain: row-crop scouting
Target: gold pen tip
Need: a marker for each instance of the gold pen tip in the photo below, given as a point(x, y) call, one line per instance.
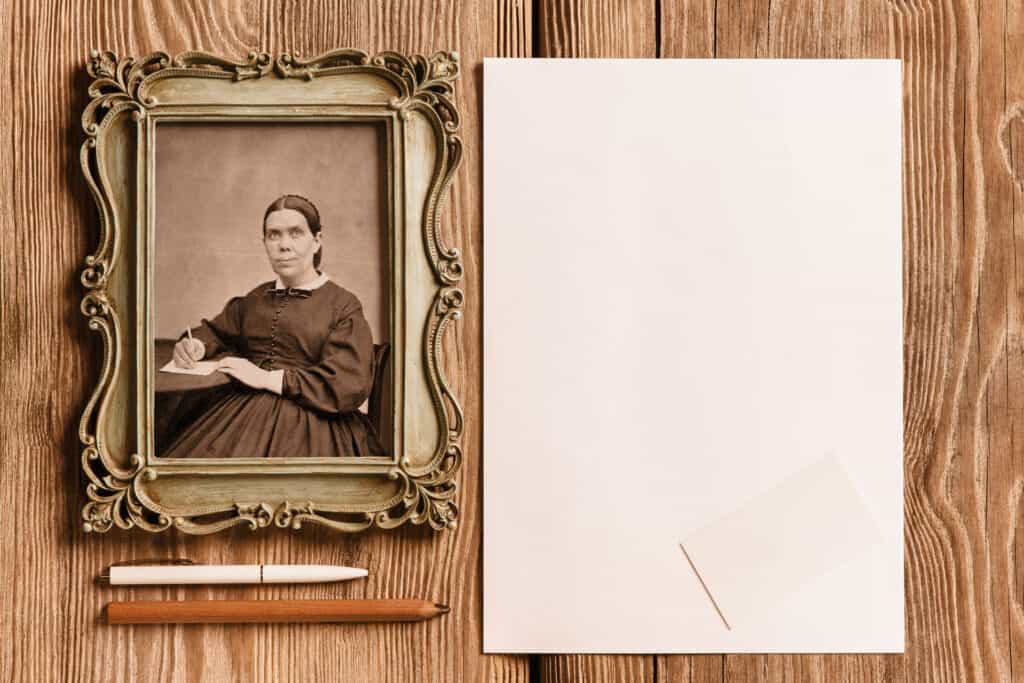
point(443, 609)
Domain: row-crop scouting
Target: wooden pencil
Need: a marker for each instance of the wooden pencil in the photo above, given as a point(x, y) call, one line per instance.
point(270, 611)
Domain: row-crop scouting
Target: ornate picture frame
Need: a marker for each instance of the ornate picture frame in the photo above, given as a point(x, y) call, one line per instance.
point(412, 98)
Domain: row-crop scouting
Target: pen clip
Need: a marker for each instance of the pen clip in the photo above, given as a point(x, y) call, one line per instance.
point(104, 576)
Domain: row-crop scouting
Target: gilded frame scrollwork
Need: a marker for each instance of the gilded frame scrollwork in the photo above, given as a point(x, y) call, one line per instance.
point(127, 486)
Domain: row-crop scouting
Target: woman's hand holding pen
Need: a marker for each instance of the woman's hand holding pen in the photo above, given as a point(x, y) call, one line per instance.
point(188, 351)
point(248, 373)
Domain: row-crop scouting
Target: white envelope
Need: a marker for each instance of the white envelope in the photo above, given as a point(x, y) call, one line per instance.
point(692, 341)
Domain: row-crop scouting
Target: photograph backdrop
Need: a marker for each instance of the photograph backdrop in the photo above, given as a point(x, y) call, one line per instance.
point(215, 180)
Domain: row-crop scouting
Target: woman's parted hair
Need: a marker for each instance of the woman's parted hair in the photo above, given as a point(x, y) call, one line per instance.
point(306, 208)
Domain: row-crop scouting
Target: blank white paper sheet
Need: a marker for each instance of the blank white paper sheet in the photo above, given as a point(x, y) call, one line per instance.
point(692, 356)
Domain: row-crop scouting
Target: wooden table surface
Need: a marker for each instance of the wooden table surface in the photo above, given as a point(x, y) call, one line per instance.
point(964, 158)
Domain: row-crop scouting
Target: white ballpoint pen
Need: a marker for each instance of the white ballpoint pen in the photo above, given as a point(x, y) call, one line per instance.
point(167, 572)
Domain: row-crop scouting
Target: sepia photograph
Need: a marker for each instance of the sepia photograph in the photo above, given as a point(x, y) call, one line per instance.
point(270, 305)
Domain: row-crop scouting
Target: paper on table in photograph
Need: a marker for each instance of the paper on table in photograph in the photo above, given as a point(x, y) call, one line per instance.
point(692, 335)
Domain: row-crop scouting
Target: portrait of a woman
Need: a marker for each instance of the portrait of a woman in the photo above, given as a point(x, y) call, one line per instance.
point(298, 350)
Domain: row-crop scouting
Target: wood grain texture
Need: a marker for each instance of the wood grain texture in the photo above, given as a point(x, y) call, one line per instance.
point(602, 28)
point(50, 628)
point(964, 356)
point(605, 28)
point(962, 343)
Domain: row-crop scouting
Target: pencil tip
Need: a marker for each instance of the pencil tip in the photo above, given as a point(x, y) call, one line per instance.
point(443, 609)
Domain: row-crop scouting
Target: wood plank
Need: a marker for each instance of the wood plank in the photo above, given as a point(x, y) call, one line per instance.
point(1011, 140)
point(932, 250)
point(598, 28)
point(736, 28)
point(54, 634)
point(603, 28)
point(962, 470)
point(596, 668)
point(692, 29)
point(741, 28)
point(689, 29)
point(983, 463)
point(10, 465)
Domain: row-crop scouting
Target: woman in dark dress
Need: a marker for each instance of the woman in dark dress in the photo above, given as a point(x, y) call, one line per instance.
point(301, 357)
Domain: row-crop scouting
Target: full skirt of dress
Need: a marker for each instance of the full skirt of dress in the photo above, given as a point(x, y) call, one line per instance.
point(246, 423)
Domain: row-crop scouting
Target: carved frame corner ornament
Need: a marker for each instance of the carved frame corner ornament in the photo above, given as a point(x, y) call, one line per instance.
point(123, 477)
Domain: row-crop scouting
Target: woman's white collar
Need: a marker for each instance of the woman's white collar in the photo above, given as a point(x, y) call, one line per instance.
point(320, 281)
